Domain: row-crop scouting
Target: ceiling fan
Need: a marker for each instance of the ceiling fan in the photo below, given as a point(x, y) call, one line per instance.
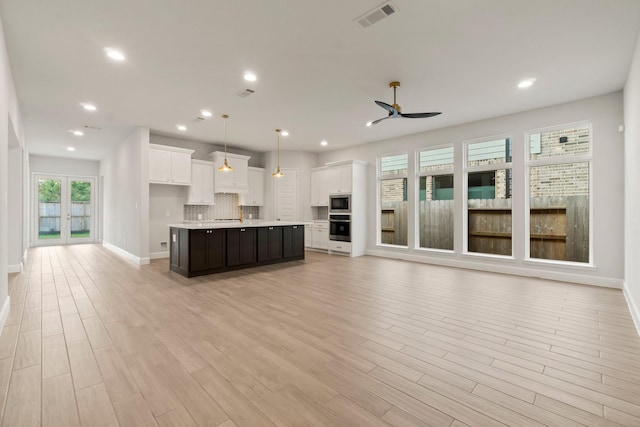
point(395, 110)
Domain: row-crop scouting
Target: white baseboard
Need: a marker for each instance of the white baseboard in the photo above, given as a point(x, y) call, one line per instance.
point(633, 307)
point(4, 312)
point(14, 268)
point(128, 255)
point(584, 279)
point(159, 255)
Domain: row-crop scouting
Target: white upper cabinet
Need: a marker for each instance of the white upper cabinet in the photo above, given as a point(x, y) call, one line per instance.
point(319, 195)
point(255, 196)
point(201, 191)
point(236, 181)
point(340, 179)
point(169, 165)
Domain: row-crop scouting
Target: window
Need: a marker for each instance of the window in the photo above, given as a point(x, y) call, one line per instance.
point(559, 175)
point(435, 206)
point(393, 199)
point(489, 186)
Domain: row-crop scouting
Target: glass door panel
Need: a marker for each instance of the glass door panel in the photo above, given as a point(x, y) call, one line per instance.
point(64, 212)
point(80, 212)
point(49, 222)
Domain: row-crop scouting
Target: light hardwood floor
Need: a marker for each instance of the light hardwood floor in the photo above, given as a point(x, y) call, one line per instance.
point(93, 339)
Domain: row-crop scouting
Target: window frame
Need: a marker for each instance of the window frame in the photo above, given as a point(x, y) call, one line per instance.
point(379, 195)
point(440, 172)
point(466, 169)
point(552, 161)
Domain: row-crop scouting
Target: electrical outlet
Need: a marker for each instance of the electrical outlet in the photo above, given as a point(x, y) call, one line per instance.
point(168, 213)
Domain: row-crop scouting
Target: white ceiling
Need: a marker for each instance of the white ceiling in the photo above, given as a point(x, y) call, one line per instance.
point(318, 71)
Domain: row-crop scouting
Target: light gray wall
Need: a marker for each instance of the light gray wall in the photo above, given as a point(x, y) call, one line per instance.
point(63, 166)
point(163, 199)
point(11, 131)
point(632, 178)
point(17, 215)
point(606, 114)
point(126, 196)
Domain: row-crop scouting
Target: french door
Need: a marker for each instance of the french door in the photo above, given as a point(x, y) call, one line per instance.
point(64, 211)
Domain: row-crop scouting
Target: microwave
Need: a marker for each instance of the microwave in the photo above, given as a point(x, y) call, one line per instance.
point(340, 203)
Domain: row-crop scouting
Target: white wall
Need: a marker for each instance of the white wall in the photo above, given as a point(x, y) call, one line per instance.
point(63, 166)
point(163, 199)
point(632, 178)
point(18, 217)
point(126, 197)
point(10, 124)
point(606, 115)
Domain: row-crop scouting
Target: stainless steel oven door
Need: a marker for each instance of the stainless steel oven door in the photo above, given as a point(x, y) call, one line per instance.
point(340, 228)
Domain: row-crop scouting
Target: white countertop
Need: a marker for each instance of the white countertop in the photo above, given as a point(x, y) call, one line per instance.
point(233, 224)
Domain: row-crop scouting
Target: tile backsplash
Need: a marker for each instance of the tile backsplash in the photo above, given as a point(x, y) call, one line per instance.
point(226, 207)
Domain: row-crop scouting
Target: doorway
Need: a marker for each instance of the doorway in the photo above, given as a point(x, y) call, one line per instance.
point(287, 195)
point(64, 209)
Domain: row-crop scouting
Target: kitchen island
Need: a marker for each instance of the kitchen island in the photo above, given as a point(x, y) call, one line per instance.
point(214, 247)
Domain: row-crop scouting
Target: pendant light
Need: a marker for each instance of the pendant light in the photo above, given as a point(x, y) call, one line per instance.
point(278, 173)
point(225, 167)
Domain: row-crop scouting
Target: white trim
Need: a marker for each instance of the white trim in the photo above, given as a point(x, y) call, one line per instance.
point(159, 255)
point(131, 257)
point(14, 268)
point(4, 312)
point(584, 279)
point(633, 308)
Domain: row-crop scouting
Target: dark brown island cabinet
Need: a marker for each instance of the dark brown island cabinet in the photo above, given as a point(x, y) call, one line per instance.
point(197, 251)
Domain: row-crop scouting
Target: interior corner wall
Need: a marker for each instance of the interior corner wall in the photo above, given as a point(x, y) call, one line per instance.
point(10, 121)
point(605, 113)
point(631, 193)
point(126, 197)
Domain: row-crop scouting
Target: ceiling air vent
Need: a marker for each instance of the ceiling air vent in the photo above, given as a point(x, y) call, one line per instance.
point(92, 127)
point(245, 92)
point(375, 15)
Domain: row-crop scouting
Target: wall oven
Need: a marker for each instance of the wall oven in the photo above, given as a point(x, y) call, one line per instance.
point(340, 228)
point(340, 203)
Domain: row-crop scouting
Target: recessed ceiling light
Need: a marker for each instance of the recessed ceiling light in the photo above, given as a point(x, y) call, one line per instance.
point(284, 133)
point(526, 83)
point(250, 77)
point(71, 148)
point(206, 113)
point(369, 124)
point(114, 54)
point(88, 107)
point(324, 143)
point(77, 132)
point(181, 127)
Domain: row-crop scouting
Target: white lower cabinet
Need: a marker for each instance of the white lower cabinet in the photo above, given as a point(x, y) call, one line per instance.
point(321, 235)
point(308, 235)
point(336, 246)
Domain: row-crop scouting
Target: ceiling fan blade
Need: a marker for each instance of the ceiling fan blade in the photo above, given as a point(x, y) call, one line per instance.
point(379, 120)
point(392, 111)
point(418, 115)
